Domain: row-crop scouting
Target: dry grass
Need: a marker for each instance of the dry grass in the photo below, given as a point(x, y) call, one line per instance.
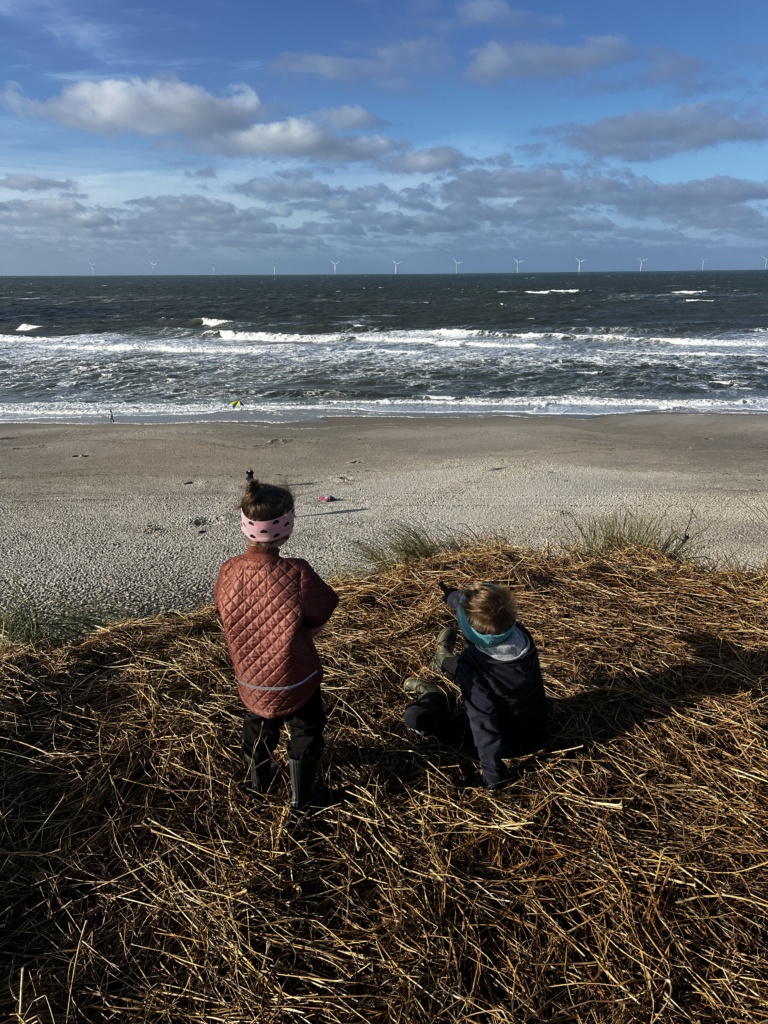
point(621, 881)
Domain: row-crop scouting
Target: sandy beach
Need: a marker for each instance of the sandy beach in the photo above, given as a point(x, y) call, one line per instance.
point(139, 518)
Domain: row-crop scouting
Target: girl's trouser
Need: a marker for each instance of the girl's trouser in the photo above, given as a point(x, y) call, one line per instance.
point(305, 732)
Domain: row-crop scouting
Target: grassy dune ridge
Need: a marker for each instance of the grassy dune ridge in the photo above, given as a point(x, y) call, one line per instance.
point(620, 877)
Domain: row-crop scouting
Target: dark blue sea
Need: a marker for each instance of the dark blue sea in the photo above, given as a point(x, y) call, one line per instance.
point(152, 349)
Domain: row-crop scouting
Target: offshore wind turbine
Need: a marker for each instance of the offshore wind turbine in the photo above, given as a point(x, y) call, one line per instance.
point(213, 268)
point(397, 264)
point(703, 261)
point(274, 269)
point(641, 260)
point(335, 264)
point(153, 265)
point(579, 262)
point(91, 265)
point(458, 264)
point(517, 265)
point(765, 262)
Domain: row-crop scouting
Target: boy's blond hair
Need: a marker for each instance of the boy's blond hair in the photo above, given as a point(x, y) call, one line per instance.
point(490, 608)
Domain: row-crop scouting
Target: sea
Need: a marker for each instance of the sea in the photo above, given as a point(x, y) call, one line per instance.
point(155, 349)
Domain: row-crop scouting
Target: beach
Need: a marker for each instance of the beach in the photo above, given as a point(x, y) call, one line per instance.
point(132, 518)
point(139, 518)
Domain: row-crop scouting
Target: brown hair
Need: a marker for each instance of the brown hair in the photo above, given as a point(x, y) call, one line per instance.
point(490, 608)
point(265, 501)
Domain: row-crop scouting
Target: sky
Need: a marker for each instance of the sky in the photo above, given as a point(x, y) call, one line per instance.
point(274, 138)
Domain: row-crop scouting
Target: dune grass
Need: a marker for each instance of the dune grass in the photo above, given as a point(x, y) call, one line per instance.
point(406, 543)
point(630, 528)
point(619, 878)
point(22, 623)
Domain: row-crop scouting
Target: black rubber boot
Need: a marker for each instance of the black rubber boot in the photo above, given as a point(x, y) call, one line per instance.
point(263, 775)
point(304, 793)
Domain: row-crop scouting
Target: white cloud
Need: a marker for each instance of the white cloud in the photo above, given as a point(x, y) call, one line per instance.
point(300, 188)
point(347, 118)
point(300, 137)
point(57, 18)
point(651, 134)
point(202, 173)
point(389, 63)
point(154, 106)
point(498, 61)
point(52, 221)
point(31, 183)
point(483, 12)
point(428, 161)
point(488, 12)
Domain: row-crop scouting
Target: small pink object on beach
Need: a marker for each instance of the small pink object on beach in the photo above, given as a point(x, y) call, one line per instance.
point(327, 497)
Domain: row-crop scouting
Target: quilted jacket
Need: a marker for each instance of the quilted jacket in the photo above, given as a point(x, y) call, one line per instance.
point(268, 605)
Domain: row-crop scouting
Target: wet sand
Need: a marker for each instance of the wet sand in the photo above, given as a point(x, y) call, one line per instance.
point(140, 517)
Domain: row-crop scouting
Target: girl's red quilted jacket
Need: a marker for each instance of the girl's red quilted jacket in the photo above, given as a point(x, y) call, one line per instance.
point(268, 605)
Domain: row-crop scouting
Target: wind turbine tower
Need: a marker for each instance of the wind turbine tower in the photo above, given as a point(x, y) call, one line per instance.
point(91, 265)
point(274, 270)
point(579, 262)
point(335, 264)
point(765, 262)
point(703, 261)
point(458, 264)
point(642, 260)
point(153, 265)
point(213, 269)
point(397, 264)
point(517, 265)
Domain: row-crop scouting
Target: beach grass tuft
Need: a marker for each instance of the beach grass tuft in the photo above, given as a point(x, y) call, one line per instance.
point(619, 877)
point(626, 528)
point(407, 543)
point(22, 623)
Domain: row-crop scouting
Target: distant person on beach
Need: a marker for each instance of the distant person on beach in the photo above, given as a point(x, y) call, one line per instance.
point(271, 609)
point(504, 707)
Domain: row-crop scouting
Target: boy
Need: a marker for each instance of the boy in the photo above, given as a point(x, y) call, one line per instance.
point(505, 707)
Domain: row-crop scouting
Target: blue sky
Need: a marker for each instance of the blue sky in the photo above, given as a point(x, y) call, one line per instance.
point(250, 135)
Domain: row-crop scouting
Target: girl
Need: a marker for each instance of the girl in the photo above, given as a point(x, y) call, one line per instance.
point(271, 608)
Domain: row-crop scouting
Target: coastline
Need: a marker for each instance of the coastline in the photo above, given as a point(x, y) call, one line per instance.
point(139, 518)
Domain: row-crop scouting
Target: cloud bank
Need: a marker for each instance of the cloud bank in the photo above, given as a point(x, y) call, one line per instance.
point(651, 134)
point(232, 125)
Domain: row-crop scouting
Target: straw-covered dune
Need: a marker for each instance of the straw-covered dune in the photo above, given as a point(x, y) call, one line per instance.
point(621, 877)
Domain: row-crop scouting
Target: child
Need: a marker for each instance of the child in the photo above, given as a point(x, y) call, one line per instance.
point(505, 707)
point(271, 608)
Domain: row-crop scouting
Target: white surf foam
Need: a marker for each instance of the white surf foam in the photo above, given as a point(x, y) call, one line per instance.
point(429, 405)
point(555, 291)
point(28, 327)
point(210, 322)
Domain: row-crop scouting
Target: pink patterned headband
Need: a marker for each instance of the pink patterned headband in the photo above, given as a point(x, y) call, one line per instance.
point(269, 530)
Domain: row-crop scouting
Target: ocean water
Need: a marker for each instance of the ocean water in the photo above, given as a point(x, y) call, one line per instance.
point(152, 349)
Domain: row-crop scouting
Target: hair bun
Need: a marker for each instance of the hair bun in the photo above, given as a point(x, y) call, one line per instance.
point(249, 475)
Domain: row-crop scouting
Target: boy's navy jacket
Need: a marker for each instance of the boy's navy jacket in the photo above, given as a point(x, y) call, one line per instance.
point(505, 702)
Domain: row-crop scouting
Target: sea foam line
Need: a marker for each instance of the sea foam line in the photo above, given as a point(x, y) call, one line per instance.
point(428, 405)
